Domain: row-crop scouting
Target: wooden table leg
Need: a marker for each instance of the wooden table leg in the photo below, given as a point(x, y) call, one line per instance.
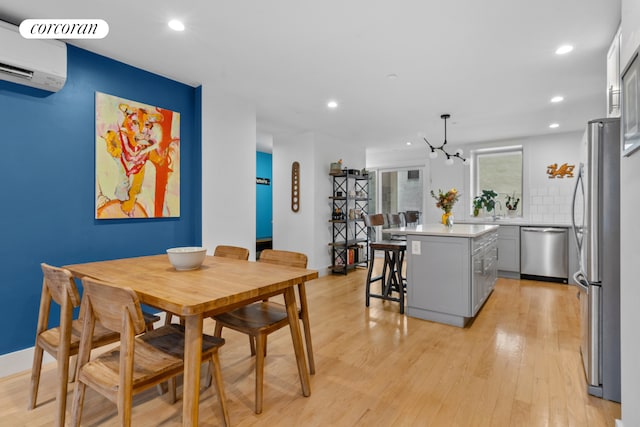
point(294, 326)
point(192, 359)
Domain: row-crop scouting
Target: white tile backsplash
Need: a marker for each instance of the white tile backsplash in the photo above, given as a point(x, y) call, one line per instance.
point(550, 205)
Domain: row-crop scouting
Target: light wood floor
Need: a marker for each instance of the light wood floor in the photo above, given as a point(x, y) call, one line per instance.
point(517, 365)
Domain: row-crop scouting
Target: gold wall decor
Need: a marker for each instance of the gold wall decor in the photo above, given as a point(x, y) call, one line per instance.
point(564, 170)
point(295, 186)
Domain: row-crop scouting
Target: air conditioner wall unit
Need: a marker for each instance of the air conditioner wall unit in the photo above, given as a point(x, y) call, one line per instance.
point(32, 62)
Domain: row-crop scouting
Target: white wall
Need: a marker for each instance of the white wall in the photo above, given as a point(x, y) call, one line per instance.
point(379, 159)
point(307, 231)
point(629, 247)
point(293, 231)
point(544, 200)
point(548, 201)
point(228, 171)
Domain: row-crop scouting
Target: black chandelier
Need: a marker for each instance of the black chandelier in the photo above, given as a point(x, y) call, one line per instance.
point(433, 154)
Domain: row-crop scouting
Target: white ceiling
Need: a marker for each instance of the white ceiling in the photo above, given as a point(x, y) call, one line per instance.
point(489, 63)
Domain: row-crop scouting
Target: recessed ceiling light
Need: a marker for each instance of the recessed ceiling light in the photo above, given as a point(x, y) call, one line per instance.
point(392, 76)
point(554, 125)
point(566, 48)
point(408, 142)
point(332, 104)
point(176, 25)
point(557, 99)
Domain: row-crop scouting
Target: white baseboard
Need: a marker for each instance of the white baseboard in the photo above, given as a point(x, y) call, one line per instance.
point(22, 360)
point(19, 361)
point(619, 423)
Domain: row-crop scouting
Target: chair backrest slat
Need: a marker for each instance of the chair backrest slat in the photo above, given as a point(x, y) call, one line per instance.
point(374, 220)
point(109, 304)
point(60, 284)
point(411, 217)
point(394, 220)
point(235, 252)
point(292, 259)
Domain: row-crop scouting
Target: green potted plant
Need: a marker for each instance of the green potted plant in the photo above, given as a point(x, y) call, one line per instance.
point(477, 205)
point(486, 200)
point(512, 204)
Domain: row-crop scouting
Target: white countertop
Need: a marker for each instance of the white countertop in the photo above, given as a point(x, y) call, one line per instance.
point(458, 230)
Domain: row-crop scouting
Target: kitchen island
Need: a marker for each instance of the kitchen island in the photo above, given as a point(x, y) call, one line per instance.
point(450, 270)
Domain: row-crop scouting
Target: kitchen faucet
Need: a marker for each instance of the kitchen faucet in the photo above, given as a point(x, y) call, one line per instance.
point(495, 209)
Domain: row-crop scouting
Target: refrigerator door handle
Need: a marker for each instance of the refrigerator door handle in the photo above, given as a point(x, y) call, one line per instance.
point(579, 183)
point(581, 281)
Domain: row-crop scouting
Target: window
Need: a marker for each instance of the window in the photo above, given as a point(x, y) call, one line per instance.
point(500, 170)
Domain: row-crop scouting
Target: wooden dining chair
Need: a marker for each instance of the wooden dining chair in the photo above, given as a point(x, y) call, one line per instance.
point(61, 341)
point(139, 362)
point(260, 319)
point(234, 252)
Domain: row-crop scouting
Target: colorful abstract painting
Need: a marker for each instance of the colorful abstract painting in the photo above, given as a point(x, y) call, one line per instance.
point(137, 159)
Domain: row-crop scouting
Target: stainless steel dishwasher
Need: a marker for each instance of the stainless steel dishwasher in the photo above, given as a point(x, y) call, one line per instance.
point(544, 253)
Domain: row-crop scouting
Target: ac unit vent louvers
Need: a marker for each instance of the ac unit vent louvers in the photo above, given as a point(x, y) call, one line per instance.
point(16, 71)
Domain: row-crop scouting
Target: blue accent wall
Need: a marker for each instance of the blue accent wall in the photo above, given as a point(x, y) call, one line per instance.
point(48, 182)
point(264, 197)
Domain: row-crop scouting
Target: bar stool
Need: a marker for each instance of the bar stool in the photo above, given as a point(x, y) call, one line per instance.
point(391, 279)
point(411, 218)
point(395, 221)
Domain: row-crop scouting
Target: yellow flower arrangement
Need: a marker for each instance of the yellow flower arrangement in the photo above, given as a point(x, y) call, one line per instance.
point(446, 200)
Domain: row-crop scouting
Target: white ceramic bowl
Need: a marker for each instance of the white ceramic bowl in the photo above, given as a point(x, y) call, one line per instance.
point(186, 258)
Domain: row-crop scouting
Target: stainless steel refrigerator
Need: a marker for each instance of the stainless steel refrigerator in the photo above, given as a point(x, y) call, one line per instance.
point(596, 226)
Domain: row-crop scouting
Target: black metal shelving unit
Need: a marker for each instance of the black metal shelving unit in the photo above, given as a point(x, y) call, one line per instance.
point(350, 200)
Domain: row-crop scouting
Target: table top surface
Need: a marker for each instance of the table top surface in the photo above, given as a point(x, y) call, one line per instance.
point(218, 285)
point(458, 230)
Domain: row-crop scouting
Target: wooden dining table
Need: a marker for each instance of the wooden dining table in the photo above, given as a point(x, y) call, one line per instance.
point(219, 285)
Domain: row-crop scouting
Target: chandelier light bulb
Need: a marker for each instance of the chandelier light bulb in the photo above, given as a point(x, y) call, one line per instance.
point(448, 162)
point(459, 151)
point(433, 155)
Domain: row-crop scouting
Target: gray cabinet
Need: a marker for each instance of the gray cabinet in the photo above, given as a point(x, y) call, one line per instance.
point(450, 278)
point(485, 263)
point(509, 251)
